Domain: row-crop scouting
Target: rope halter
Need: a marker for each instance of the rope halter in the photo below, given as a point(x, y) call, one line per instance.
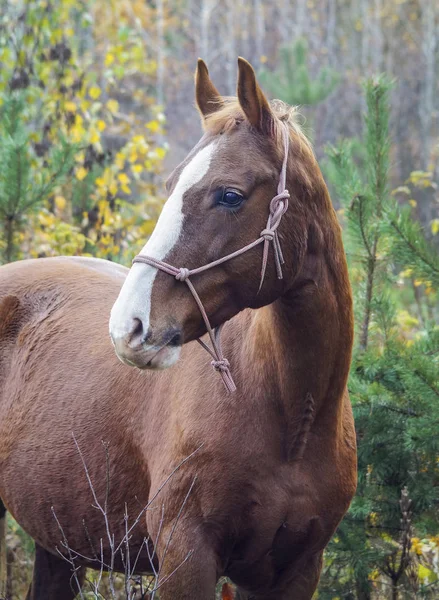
point(278, 207)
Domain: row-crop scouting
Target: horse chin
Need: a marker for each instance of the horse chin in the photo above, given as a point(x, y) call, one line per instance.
point(152, 357)
point(165, 357)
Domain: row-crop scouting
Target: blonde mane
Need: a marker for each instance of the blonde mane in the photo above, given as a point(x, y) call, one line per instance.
point(231, 114)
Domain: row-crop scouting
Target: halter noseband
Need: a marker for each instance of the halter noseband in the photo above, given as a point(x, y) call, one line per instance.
point(278, 206)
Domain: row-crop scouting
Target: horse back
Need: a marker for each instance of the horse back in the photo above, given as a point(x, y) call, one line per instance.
point(33, 290)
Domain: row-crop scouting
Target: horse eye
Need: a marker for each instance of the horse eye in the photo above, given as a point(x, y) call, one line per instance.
point(230, 198)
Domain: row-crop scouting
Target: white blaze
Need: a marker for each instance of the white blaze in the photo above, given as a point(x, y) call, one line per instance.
point(134, 299)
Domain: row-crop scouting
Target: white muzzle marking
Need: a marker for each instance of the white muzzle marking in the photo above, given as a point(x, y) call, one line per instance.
point(134, 300)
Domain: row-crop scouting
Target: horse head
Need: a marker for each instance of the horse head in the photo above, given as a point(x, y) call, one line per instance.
point(220, 198)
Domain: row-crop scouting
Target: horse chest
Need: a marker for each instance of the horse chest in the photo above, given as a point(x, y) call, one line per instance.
point(280, 533)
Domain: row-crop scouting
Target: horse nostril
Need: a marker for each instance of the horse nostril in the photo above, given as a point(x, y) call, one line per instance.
point(136, 335)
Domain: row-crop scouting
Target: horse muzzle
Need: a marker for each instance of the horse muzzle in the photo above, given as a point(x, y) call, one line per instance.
point(148, 351)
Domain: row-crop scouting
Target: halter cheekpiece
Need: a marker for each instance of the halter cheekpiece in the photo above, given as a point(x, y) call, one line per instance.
point(278, 207)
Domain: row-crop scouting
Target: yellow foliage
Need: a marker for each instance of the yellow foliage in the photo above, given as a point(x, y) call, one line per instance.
point(70, 106)
point(94, 92)
point(421, 179)
point(81, 173)
point(113, 106)
point(94, 136)
point(416, 545)
point(402, 189)
point(60, 202)
point(107, 226)
point(123, 178)
point(109, 59)
point(406, 320)
point(153, 126)
point(406, 273)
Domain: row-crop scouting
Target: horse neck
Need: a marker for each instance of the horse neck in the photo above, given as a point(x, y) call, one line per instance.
point(300, 346)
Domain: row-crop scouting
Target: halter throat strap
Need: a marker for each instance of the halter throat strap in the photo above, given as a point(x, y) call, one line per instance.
point(278, 207)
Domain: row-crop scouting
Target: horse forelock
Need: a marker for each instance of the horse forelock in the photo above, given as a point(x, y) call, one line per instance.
point(230, 115)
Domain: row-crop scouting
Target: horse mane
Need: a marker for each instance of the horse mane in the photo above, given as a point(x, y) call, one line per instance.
point(230, 115)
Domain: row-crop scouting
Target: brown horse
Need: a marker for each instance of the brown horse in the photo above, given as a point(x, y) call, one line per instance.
point(260, 477)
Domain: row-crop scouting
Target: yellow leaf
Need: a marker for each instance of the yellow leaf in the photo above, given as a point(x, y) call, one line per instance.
point(153, 126)
point(424, 573)
point(94, 137)
point(406, 320)
point(70, 106)
point(94, 92)
point(123, 178)
point(60, 202)
point(126, 189)
point(160, 152)
point(406, 273)
point(112, 188)
point(133, 156)
point(109, 59)
point(113, 106)
point(402, 189)
point(137, 168)
point(417, 282)
point(101, 125)
point(81, 173)
point(46, 219)
point(416, 545)
point(99, 181)
point(85, 105)
point(120, 160)
point(435, 226)
point(413, 203)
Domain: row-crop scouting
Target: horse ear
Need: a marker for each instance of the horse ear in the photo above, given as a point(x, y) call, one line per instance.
point(252, 99)
point(207, 96)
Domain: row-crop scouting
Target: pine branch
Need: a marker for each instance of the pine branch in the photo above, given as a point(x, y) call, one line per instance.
point(410, 246)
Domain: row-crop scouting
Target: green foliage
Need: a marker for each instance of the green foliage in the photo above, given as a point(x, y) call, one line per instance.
point(409, 246)
point(26, 179)
point(62, 191)
point(293, 83)
point(394, 381)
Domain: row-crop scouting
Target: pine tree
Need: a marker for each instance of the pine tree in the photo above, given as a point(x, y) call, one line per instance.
point(24, 184)
point(394, 381)
point(293, 82)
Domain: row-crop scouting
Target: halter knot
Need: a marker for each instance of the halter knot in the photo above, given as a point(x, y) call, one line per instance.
point(222, 365)
point(268, 234)
point(182, 274)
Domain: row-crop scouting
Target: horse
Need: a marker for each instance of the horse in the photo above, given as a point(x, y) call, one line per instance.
point(248, 480)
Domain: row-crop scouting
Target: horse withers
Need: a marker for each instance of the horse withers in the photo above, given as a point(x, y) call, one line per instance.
point(248, 484)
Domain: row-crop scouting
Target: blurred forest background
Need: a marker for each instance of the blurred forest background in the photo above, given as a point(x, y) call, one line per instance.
point(96, 107)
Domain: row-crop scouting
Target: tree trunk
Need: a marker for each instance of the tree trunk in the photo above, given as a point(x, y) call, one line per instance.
point(160, 53)
point(362, 594)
